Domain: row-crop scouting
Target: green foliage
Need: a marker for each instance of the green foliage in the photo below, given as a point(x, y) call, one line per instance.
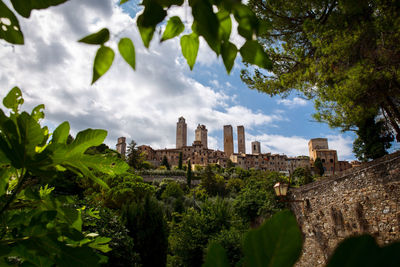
point(190, 46)
point(173, 29)
point(338, 53)
point(189, 174)
point(102, 62)
point(134, 157)
point(147, 226)
point(24, 8)
point(165, 163)
point(180, 161)
point(108, 223)
point(216, 256)
point(213, 184)
point(172, 189)
point(363, 251)
point(127, 51)
point(372, 140)
point(10, 30)
point(302, 176)
point(97, 38)
point(278, 242)
point(319, 166)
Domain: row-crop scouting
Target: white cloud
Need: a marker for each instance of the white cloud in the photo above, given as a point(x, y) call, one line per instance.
point(343, 145)
point(144, 105)
point(293, 103)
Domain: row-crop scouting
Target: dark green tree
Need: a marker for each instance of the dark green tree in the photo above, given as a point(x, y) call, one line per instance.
point(372, 140)
point(148, 228)
point(343, 54)
point(212, 183)
point(189, 174)
point(319, 166)
point(134, 157)
point(165, 163)
point(302, 176)
point(180, 161)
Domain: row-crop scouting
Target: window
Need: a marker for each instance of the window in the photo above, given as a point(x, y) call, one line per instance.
point(331, 160)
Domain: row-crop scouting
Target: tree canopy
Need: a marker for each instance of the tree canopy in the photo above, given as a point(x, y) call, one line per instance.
point(344, 55)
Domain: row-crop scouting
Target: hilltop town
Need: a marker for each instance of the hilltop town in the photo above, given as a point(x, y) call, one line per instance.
point(199, 153)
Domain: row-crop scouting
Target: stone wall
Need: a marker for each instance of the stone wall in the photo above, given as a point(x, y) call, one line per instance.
point(359, 200)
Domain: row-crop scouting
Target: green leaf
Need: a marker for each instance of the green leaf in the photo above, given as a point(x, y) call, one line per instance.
point(153, 14)
point(145, 32)
point(123, 2)
point(277, 243)
point(252, 52)
point(248, 22)
point(24, 7)
point(216, 256)
point(363, 251)
point(5, 175)
point(102, 62)
point(60, 134)
point(190, 47)
point(97, 38)
point(174, 28)
point(37, 113)
point(13, 100)
point(9, 26)
point(225, 25)
point(127, 51)
point(86, 139)
point(207, 23)
point(228, 52)
point(168, 3)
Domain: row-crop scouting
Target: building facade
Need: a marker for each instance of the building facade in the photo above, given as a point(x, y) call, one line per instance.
point(241, 140)
point(181, 133)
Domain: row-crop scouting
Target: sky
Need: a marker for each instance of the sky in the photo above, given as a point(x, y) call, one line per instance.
point(144, 105)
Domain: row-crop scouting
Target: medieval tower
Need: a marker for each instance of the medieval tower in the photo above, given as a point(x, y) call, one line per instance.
point(228, 140)
point(181, 133)
point(201, 135)
point(241, 140)
point(255, 148)
point(121, 146)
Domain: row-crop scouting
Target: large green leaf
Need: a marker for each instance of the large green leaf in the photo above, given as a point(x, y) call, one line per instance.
point(252, 52)
point(97, 38)
point(153, 14)
point(216, 256)
point(102, 62)
point(207, 23)
point(37, 112)
point(60, 134)
point(363, 251)
point(248, 22)
point(13, 99)
point(31, 135)
point(127, 51)
point(225, 25)
point(190, 47)
point(228, 52)
point(174, 28)
point(277, 243)
point(24, 7)
point(9, 26)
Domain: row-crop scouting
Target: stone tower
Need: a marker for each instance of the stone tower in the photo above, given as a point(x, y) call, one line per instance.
point(201, 135)
point(255, 148)
point(121, 146)
point(181, 133)
point(316, 144)
point(228, 140)
point(241, 140)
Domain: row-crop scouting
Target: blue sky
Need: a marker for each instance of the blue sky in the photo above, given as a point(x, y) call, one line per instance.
point(52, 68)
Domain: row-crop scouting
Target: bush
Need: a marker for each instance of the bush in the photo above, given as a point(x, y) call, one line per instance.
point(148, 228)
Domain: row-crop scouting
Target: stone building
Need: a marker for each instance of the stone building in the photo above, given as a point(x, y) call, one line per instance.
point(181, 133)
point(241, 140)
point(228, 140)
point(121, 146)
point(318, 148)
point(201, 135)
point(200, 154)
point(255, 148)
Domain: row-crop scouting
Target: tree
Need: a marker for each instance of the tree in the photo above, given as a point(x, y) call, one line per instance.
point(189, 174)
point(212, 183)
point(134, 156)
point(302, 176)
point(165, 163)
point(180, 161)
point(319, 166)
point(372, 140)
point(343, 54)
